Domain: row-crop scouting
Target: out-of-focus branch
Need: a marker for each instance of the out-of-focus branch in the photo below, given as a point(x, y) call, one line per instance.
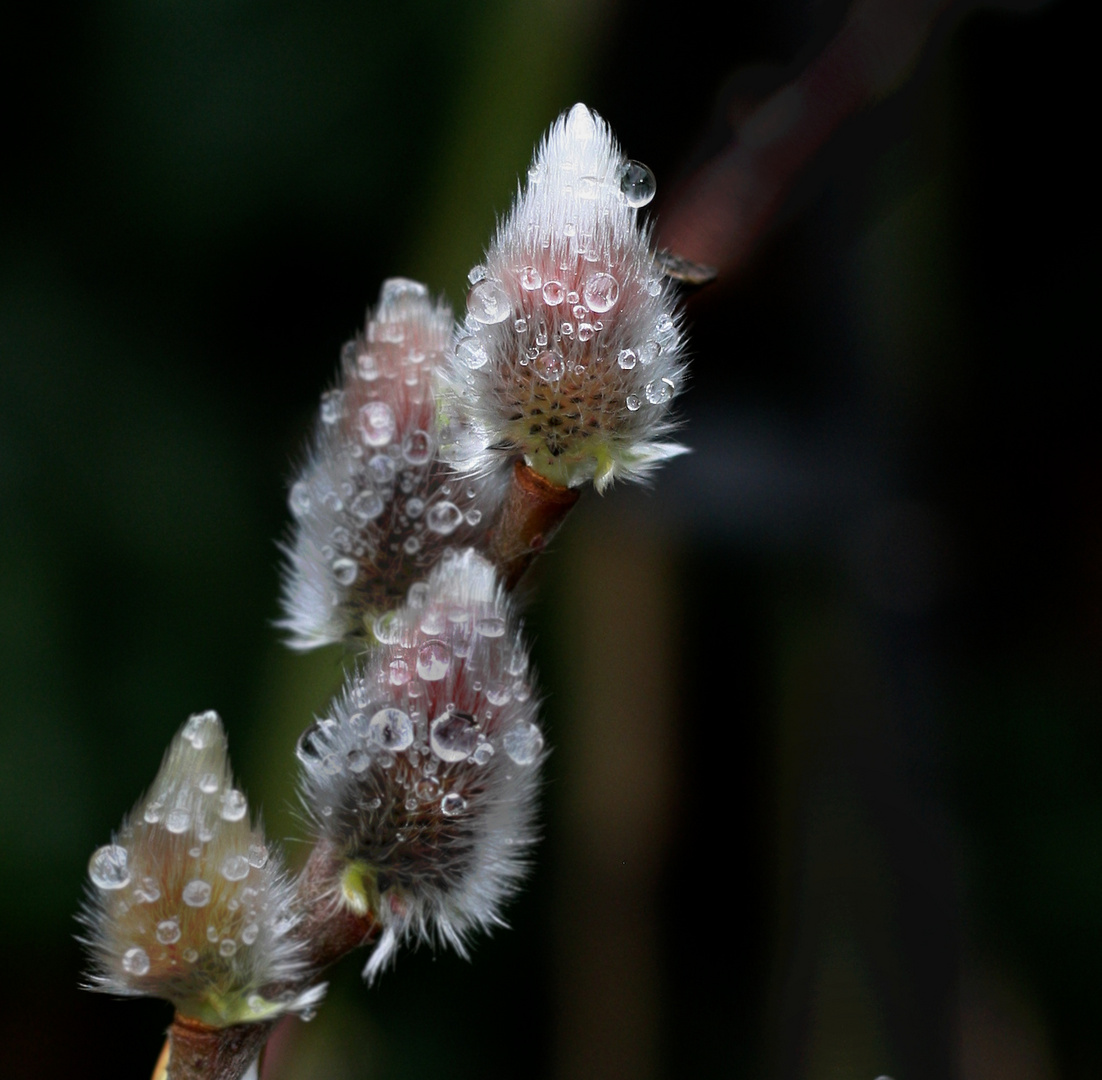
point(719, 214)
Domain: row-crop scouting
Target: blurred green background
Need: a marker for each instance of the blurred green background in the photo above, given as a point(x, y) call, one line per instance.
point(826, 798)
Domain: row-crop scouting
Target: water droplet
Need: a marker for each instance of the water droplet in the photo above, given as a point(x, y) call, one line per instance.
point(454, 737)
point(549, 366)
point(601, 292)
point(396, 289)
point(491, 626)
point(444, 518)
point(357, 761)
point(391, 729)
point(633, 403)
point(388, 628)
point(554, 292)
point(433, 660)
point(345, 571)
point(484, 752)
point(202, 728)
point(637, 184)
point(148, 891)
point(453, 803)
point(417, 447)
point(235, 867)
point(332, 404)
point(299, 499)
point(487, 302)
point(168, 932)
point(585, 332)
point(367, 506)
point(108, 867)
point(250, 934)
point(659, 391)
point(196, 893)
point(257, 856)
point(177, 821)
point(472, 352)
point(234, 805)
point(587, 187)
point(412, 545)
point(524, 743)
point(476, 274)
point(135, 961)
point(227, 947)
point(208, 783)
point(530, 279)
point(383, 469)
point(626, 359)
point(650, 351)
point(378, 423)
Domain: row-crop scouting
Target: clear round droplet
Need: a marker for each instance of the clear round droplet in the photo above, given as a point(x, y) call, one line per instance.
point(483, 753)
point(417, 447)
point(250, 934)
point(378, 423)
point(487, 302)
point(633, 403)
point(384, 469)
point(208, 783)
point(453, 803)
point(299, 498)
point(357, 761)
point(257, 856)
point(168, 932)
point(108, 867)
point(367, 506)
point(391, 729)
point(332, 403)
point(444, 518)
point(398, 673)
point(227, 947)
point(554, 292)
point(135, 961)
point(601, 292)
point(637, 184)
point(234, 805)
point(202, 729)
point(235, 867)
point(454, 737)
point(491, 626)
point(345, 571)
point(659, 391)
point(530, 279)
point(626, 359)
point(476, 274)
point(433, 660)
point(177, 821)
point(472, 352)
point(549, 366)
point(196, 893)
point(523, 743)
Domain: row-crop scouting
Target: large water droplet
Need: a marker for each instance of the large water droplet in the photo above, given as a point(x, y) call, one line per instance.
point(487, 302)
point(433, 660)
point(377, 423)
point(135, 961)
point(257, 856)
point(453, 803)
point(530, 278)
point(554, 292)
point(299, 499)
point(367, 506)
point(177, 820)
point(626, 359)
point(472, 352)
point(250, 934)
point(384, 469)
point(444, 518)
point(633, 403)
point(637, 184)
point(345, 571)
point(491, 626)
point(396, 289)
point(227, 947)
point(235, 867)
point(234, 805)
point(202, 729)
point(523, 743)
point(659, 391)
point(417, 447)
point(108, 867)
point(391, 729)
point(549, 366)
point(168, 932)
point(454, 737)
point(196, 893)
point(601, 292)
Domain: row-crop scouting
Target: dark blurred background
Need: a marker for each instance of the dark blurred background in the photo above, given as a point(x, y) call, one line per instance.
point(825, 800)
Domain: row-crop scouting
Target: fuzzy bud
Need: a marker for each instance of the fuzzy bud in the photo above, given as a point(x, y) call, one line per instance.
point(378, 502)
point(188, 903)
point(424, 775)
point(571, 351)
